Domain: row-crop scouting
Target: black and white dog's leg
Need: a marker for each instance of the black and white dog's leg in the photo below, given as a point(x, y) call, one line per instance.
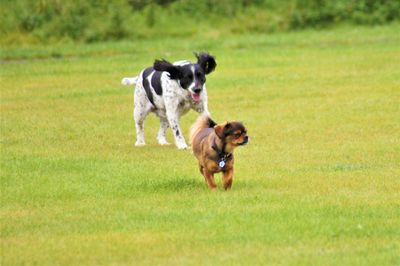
point(139, 116)
point(141, 109)
point(161, 133)
point(173, 119)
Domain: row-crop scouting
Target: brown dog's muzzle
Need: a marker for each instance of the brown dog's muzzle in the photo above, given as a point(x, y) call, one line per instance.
point(245, 141)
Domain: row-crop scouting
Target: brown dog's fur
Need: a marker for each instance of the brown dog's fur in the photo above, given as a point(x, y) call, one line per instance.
point(207, 138)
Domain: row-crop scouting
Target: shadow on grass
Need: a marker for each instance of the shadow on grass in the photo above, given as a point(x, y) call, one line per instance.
point(173, 185)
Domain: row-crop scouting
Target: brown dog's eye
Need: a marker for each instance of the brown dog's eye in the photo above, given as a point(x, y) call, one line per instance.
point(237, 135)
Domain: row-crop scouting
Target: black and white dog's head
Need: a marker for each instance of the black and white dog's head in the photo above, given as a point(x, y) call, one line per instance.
point(190, 76)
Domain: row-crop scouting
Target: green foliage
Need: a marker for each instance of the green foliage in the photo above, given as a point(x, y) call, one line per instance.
point(324, 12)
point(92, 21)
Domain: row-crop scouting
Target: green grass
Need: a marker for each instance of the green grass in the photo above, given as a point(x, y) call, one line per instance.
point(317, 185)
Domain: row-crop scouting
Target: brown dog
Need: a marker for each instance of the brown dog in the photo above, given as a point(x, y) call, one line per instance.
point(213, 147)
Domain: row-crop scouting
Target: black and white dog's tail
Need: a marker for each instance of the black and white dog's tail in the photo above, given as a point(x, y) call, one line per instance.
point(127, 81)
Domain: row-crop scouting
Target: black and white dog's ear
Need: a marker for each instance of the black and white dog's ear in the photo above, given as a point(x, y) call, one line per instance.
point(164, 65)
point(206, 61)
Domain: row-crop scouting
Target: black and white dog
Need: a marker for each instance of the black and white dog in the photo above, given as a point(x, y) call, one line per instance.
point(170, 90)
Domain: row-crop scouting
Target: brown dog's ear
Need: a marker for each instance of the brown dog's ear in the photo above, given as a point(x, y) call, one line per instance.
point(222, 129)
point(219, 130)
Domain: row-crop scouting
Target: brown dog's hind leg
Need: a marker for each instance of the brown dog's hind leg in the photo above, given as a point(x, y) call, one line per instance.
point(227, 178)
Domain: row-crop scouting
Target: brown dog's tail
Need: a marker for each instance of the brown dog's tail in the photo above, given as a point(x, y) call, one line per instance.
point(202, 122)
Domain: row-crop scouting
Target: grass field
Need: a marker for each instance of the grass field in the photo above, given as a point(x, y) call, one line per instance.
point(319, 183)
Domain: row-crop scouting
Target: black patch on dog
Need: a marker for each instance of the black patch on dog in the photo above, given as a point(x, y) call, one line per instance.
point(186, 76)
point(211, 123)
point(146, 84)
point(156, 82)
point(206, 61)
point(177, 133)
point(231, 128)
point(164, 65)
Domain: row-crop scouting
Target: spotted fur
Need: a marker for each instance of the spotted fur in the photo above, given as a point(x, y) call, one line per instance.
point(170, 91)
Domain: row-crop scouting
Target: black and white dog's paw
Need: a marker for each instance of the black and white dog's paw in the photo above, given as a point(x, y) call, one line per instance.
point(181, 146)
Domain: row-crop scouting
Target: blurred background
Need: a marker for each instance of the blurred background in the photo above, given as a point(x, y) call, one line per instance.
point(90, 21)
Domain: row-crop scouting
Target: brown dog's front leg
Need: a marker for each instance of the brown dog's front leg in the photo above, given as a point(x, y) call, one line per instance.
point(201, 169)
point(227, 178)
point(209, 179)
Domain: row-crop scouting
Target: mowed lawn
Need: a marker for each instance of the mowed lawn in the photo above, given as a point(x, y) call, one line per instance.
point(318, 184)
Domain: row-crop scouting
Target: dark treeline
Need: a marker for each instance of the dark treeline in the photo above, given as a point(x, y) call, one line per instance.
point(101, 20)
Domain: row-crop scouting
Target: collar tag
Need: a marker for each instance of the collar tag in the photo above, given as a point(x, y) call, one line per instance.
point(221, 164)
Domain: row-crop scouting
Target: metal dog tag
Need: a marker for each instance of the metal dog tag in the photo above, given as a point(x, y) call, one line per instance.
point(221, 164)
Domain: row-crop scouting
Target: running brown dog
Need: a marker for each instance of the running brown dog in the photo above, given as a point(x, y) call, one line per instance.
point(213, 145)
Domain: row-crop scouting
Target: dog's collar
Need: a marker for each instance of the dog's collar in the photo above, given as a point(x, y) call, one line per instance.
point(223, 157)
